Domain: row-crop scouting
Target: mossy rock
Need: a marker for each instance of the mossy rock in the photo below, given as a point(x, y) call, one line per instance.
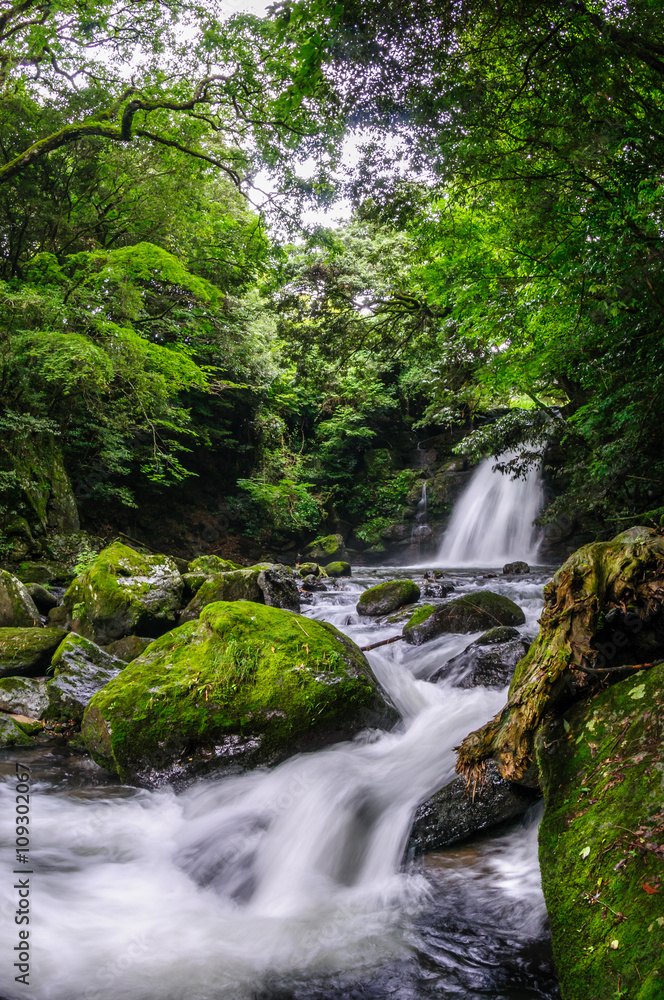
point(386, 597)
point(193, 583)
point(238, 585)
point(11, 734)
point(43, 572)
point(420, 614)
point(27, 652)
point(17, 608)
point(124, 592)
point(602, 841)
point(44, 600)
point(336, 569)
point(328, 549)
point(129, 648)
point(310, 569)
point(81, 669)
point(23, 696)
point(207, 565)
point(471, 613)
point(244, 685)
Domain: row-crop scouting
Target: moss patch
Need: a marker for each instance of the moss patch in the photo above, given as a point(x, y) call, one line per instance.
point(602, 841)
point(481, 610)
point(386, 597)
point(242, 684)
point(420, 615)
point(239, 585)
point(26, 652)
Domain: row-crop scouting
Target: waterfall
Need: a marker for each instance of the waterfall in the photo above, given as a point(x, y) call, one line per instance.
point(421, 530)
point(492, 521)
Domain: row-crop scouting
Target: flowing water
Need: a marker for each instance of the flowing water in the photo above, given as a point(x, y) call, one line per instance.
point(492, 522)
point(290, 882)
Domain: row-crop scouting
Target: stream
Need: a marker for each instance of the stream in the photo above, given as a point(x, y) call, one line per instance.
point(289, 883)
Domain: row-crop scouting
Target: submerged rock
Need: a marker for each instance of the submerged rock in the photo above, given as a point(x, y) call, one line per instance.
point(487, 662)
point(23, 696)
point(17, 608)
point(386, 597)
point(480, 610)
point(245, 685)
point(124, 592)
point(81, 669)
point(26, 652)
point(456, 813)
point(602, 840)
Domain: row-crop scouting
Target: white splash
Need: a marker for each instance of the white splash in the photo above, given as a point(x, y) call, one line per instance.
point(492, 521)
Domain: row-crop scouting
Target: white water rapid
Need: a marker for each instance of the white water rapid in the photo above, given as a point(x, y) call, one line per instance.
point(282, 884)
point(492, 521)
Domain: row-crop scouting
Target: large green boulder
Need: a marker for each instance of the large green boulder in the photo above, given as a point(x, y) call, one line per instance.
point(23, 696)
point(207, 565)
point(125, 592)
point(246, 684)
point(474, 612)
point(602, 841)
point(81, 669)
point(27, 652)
point(387, 597)
point(328, 549)
point(17, 608)
point(339, 568)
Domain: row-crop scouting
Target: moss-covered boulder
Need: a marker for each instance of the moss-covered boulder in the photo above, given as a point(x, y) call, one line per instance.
point(124, 592)
point(27, 652)
point(471, 613)
point(246, 684)
point(310, 569)
point(339, 568)
point(17, 608)
point(420, 614)
point(328, 549)
point(238, 585)
point(23, 696)
point(386, 597)
point(207, 565)
point(129, 648)
point(11, 734)
point(81, 669)
point(602, 841)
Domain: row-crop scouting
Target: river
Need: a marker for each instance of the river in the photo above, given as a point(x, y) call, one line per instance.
point(294, 883)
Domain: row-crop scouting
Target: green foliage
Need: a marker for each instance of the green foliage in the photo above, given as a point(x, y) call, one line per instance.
point(286, 506)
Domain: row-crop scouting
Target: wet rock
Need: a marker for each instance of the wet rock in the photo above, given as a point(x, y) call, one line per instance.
point(207, 565)
point(11, 734)
point(246, 684)
point(17, 608)
point(329, 549)
point(454, 814)
point(27, 652)
point(601, 764)
point(43, 598)
point(309, 569)
point(337, 569)
point(516, 568)
point(312, 583)
point(128, 648)
point(436, 585)
point(81, 669)
point(124, 592)
point(386, 597)
point(480, 610)
point(279, 588)
point(238, 585)
point(23, 696)
point(489, 663)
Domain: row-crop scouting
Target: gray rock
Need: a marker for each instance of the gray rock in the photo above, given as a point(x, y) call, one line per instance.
point(454, 814)
point(129, 648)
point(489, 664)
point(23, 696)
point(516, 568)
point(81, 669)
point(279, 587)
point(17, 609)
point(44, 600)
point(312, 583)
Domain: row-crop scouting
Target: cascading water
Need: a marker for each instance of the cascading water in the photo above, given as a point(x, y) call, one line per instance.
point(421, 530)
point(492, 521)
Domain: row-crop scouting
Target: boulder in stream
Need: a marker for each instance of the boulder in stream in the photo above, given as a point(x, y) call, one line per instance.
point(488, 661)
point(471, 613)
point(330, 548)
point(124, 592)
point(81, 669)
point(386, 597)
point(340, 568)
point(245, 685)
point(516, 568)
